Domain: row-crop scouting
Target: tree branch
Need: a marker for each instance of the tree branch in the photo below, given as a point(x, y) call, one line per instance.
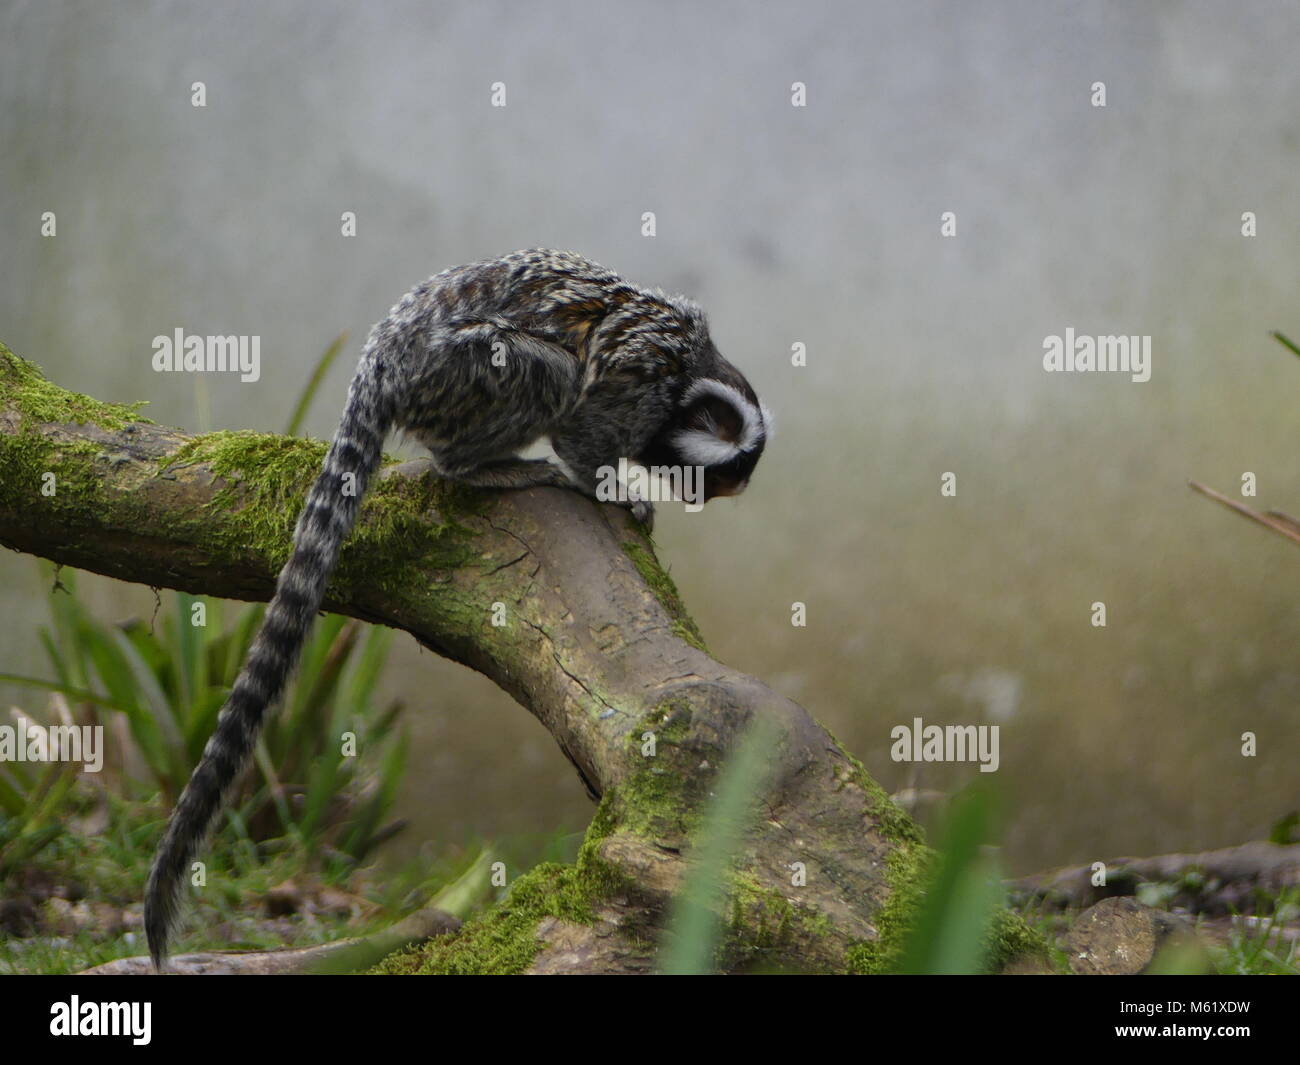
point(596, 645)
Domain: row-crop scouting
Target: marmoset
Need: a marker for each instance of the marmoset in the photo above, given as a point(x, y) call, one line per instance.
point(478, 363)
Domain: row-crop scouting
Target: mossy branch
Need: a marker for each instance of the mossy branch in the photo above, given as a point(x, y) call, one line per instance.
point(597, 645)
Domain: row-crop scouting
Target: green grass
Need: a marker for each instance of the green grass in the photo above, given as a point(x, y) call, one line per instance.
point(77, 903)
point(329, 761)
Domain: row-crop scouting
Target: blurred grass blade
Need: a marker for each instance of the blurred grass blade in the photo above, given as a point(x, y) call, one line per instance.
point(1286, 342)
point(694, 927)
point(468, 890)
point(313, 384)
point(369, 663)
point(458, 899)
point(202, 723)
point(366, 833)
point(13, 801)
point(237, 644)
point(191, 662)
point(80, 695)
point(963, 895)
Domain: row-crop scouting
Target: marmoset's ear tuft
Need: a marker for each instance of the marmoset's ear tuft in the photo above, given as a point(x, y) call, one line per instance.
point(718, 424)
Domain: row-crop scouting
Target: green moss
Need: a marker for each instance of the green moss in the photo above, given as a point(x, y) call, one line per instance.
point(906, 869)
point(503, 940)
point(24, 388)
point(26, 458)
point(651, 804)
point(267, 481)
point(895, 824)
point(27, 455)
point(1010, 938)
point(656, 577)
point(655, 801)
point(266, 477)
point(765, 928)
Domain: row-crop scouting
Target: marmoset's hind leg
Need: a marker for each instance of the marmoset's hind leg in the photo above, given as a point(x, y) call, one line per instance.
point(504, 473)
point(485, 394)
point(530, 473)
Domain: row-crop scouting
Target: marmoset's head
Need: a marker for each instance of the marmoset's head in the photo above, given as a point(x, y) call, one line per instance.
point(719, 426)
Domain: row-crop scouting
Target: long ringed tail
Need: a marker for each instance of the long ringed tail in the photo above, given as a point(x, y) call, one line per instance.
point(326, 519)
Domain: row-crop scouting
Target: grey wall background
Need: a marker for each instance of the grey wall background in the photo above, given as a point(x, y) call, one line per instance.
point(818, 225)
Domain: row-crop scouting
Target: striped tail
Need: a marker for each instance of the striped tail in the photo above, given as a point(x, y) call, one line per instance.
point(326, 519)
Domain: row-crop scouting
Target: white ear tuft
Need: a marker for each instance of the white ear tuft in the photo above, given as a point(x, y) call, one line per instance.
point(697, 443)
point(699, 447)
